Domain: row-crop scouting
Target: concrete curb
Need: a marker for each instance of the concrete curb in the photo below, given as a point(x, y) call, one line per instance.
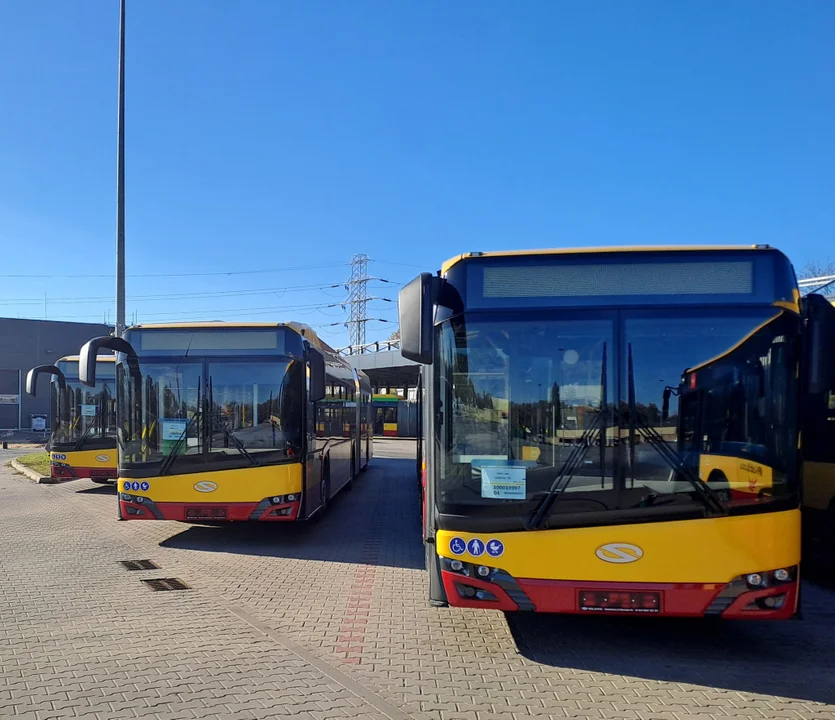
point(31, 474)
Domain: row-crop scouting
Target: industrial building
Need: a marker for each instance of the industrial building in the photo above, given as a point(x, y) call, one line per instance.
point(26, 343)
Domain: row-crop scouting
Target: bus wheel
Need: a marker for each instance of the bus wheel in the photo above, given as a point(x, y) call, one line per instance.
point(437, 594)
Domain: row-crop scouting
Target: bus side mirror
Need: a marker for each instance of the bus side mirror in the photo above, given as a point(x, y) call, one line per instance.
point(317, 375)
point(32, 378)
point(416, 306)
point(820, 344)
point(87, 357)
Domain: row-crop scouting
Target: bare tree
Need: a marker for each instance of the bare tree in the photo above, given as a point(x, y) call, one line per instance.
point(817, 268)
point(395, 335)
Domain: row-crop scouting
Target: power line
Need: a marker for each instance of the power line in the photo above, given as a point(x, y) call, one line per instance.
point(167, 296)
point(173, 275)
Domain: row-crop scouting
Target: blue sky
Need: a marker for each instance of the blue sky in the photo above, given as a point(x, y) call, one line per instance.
point(264, 136)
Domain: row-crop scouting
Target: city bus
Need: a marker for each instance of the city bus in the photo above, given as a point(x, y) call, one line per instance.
point(614, 430)
point(220, 421)
point(385, 415)
point(82, 441)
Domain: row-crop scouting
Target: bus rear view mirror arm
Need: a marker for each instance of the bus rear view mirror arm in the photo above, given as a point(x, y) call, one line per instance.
point(32, 378)
point(87, 359)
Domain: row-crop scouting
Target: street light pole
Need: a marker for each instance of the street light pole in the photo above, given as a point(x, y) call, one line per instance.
point(120, 183)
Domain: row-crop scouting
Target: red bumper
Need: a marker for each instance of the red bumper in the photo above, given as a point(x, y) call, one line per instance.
point(61, 471)
point(205, 512)
point(500, 591)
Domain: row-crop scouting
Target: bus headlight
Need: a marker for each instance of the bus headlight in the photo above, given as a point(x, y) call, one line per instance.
point(291, 497)
point(277, 500)
point(782, 575)
point(755, 580)
point(483, 571)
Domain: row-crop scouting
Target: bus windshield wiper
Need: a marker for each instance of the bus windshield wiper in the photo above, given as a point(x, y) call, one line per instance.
point(178, 446)
point(596, 431)
point(564, 476)
point(93, 425)
point(704, 492)
point(240, 447)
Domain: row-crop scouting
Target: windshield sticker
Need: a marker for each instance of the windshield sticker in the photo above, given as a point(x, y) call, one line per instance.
point(173, 429)
point(88, 411)
point(503, 483)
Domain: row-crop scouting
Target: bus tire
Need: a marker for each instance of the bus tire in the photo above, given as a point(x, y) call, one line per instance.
point(437, 594)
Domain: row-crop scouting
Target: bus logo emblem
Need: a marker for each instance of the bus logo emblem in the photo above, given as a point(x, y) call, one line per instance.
point(619, 553)
point(102, 458)
point(205, 486)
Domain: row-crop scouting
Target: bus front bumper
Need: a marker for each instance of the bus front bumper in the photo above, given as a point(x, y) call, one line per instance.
point(137, 507)
point(484, 587)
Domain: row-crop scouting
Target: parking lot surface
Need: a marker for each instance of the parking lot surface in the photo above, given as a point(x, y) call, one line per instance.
point(330, 620)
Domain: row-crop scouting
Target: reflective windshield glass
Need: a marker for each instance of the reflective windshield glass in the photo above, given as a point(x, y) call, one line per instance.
point(730, 400)
point(517, 401)
point(192, 413)
point(525, 406)
point(84, 417)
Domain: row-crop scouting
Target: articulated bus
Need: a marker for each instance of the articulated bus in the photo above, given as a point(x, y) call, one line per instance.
point(218, 421)
point(614, 431)
point(82, 441)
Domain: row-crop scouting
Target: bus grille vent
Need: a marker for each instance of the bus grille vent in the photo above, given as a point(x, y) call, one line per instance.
point(161, 584)
point(139, 564)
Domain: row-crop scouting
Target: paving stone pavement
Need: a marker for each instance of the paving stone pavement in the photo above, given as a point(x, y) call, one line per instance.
point(330, 620)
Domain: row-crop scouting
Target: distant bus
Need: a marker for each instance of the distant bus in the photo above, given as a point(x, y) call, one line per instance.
point(615, 431)
point(233, 421)
point(385, 415)
point(82, 441)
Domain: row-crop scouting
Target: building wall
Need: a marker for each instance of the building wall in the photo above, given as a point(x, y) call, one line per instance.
point(26, 343)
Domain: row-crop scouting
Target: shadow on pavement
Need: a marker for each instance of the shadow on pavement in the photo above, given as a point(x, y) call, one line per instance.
point(109, 489)
point(376, 523)
point(790, 659)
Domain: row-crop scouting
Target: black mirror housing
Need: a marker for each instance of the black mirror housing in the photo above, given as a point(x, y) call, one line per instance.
point(416, 309)
point(316, 362)
point(89, 352)
point(32, 378)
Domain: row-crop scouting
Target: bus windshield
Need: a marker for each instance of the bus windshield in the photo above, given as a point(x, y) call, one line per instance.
point(530, 402)
point(197, 412)
point(83, 417)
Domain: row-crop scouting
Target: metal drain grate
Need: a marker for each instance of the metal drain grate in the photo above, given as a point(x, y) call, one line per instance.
point(166, 584)
point(139, 564)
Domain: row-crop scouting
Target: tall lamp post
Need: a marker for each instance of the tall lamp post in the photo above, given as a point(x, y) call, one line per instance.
point(120, 182)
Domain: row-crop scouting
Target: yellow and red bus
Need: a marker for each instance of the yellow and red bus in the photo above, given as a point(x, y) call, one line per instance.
point(218, 421)
point(82, 441)
point(385, 414)
point(556, 478)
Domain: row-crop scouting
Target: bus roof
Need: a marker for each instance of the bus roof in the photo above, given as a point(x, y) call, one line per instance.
point(592, 250)
point(304, 330)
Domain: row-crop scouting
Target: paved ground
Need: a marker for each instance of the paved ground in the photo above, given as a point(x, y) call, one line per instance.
point(330, 621)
